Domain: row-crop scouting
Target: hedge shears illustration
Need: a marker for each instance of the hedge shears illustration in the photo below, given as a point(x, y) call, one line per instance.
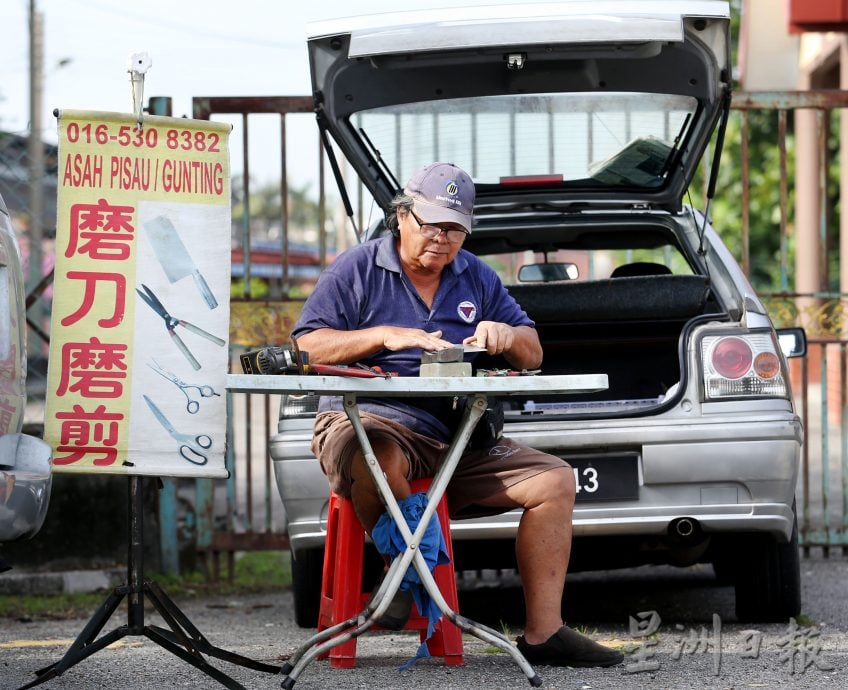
point(171, 323)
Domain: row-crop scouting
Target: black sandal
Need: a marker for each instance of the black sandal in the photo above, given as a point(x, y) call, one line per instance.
point(567, 647)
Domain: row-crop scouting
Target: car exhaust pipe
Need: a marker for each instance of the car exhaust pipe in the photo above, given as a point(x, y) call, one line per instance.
point(685, 528)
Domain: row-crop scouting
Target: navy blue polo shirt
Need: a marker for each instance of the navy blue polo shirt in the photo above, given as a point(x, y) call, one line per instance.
point(366, 287)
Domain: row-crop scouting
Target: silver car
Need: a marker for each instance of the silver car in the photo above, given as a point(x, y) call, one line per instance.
point(582, 125)
point(25, 461)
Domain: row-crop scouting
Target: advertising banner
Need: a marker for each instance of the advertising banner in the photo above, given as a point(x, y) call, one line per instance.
point(138, 343)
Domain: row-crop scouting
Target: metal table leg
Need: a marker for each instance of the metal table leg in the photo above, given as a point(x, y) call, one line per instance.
point(342, 632)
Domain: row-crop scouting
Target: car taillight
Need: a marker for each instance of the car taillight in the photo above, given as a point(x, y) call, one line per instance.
point(767, 365)
point(732, 357)
point(742, 366)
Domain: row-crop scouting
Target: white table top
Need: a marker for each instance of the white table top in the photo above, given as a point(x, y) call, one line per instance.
point(418, 386)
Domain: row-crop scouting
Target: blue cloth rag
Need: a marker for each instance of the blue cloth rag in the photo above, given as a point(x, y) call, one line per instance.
point(389, 542)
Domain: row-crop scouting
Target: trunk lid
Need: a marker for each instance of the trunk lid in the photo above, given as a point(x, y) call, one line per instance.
point(556, 105)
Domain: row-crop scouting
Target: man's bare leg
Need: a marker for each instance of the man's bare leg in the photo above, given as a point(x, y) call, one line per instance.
point(369, 506)
point(542, 545)
point(366, 500)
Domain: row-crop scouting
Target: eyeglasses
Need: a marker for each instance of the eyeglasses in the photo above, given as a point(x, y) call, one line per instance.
point(454, 236)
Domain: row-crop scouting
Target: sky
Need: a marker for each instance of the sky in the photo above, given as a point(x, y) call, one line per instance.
point(198, 48)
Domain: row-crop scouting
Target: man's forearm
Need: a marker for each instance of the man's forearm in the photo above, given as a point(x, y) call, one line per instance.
point(526, 350)
point(329, 346)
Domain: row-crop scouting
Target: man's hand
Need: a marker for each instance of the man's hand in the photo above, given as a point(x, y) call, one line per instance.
point(519, 344)
point(495, 337)
point(396, 338)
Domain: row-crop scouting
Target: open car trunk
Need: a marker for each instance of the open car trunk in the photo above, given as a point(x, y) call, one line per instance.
point(631, 328)
point(612, 293)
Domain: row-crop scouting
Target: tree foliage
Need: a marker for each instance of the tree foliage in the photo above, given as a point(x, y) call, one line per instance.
point(763, 193)
point(771, 266)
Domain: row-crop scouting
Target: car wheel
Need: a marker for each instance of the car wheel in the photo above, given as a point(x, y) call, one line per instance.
point(768, 579)
point(307, 570)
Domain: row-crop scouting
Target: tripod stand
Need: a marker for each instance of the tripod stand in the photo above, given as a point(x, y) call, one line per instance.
point(183, 639)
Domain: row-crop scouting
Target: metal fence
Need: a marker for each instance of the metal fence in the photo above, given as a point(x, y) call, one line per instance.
point(221, 517)
point(819, 380)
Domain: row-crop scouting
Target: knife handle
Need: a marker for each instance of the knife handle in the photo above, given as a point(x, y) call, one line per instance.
point(204, 289)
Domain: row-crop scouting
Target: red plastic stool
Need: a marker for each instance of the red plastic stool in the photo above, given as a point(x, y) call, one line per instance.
point(341, 584)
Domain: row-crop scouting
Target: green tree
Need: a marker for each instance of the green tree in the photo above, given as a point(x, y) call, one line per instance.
point(764, 175)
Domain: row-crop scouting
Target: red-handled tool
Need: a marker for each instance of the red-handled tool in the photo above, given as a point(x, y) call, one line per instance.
point(342, 370)
point(301, 360)
point(282, 360)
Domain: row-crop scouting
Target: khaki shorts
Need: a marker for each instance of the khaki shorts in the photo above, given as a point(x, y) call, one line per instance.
point(480, 474)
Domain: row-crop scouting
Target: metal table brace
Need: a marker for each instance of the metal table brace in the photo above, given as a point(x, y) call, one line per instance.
point(331, 637)
point(338, 634)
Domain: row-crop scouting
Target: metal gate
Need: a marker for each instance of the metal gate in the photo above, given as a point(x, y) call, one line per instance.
point(244, 512)
point(805, 203)
point(819, 380)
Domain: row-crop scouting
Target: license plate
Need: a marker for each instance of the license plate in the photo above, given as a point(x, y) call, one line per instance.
point(606, 477)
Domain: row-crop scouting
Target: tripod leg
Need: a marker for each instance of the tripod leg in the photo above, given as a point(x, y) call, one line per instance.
point(74, 655)
point(184, 639)
point(84, 640)
point(195, 660)
point(172, 613)
point(180, 624)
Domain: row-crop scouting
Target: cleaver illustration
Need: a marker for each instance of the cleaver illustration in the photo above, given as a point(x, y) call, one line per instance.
point(175, 259)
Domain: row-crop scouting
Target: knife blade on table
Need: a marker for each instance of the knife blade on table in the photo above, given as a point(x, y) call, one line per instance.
point(174, 257)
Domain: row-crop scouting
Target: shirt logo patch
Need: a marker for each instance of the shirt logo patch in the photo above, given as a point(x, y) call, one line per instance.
point(467, 311)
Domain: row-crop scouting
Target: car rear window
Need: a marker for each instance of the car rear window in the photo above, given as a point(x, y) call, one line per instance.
point(592, 139)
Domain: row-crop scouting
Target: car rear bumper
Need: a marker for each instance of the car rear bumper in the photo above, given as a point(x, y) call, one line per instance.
point(725, 475)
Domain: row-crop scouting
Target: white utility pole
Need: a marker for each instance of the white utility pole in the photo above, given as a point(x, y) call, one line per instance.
point(35, 147)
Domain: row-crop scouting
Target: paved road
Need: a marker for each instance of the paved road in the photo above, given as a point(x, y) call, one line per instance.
point(260, 626)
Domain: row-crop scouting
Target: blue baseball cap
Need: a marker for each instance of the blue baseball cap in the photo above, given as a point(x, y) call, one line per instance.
point(442, 193)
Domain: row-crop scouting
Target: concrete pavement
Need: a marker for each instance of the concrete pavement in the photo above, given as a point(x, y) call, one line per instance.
point(686, 653)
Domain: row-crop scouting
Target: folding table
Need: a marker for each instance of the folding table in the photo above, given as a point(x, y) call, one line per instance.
point(476, 389)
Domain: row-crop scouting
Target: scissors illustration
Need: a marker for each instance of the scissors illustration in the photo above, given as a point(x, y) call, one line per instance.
point(192, 406)
point(191, 447)
point(171, 323)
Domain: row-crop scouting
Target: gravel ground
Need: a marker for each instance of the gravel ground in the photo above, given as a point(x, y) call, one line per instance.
point(690, 605)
